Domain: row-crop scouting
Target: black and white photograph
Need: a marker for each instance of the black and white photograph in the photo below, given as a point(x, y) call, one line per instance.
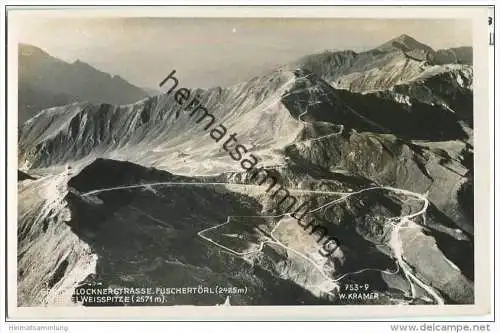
point(245, 161)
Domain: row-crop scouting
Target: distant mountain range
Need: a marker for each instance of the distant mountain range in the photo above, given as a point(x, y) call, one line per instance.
point(46, 81)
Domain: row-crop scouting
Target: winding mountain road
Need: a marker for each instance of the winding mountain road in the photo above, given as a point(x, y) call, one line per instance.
point(395, 242)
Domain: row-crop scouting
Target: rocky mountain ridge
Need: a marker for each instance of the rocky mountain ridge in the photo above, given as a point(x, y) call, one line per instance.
point(46, 81)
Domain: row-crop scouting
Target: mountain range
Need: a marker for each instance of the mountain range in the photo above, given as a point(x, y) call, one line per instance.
point(46, 81)
point(381, 141)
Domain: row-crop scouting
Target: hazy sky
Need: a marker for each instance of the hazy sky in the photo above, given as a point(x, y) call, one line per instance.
point(208, 52)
